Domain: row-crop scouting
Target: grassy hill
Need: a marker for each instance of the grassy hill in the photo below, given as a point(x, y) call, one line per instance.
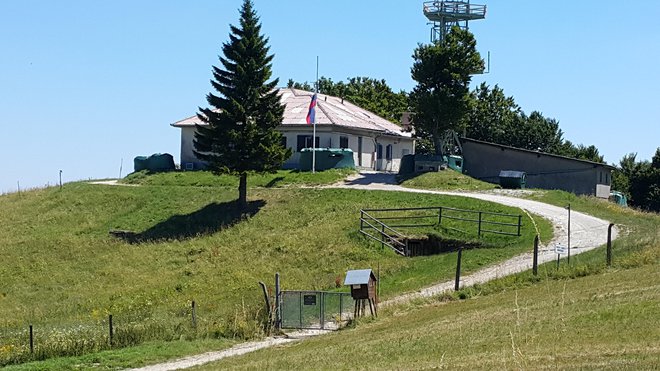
point(583, 316)
point(67, 274)
point(446, 180)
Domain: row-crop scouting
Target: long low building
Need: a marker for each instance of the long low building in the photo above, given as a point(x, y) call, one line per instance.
point(484, 160)
point(377, 143)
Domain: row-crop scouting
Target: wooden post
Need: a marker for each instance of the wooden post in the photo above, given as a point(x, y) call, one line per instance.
point(439, 215)
point(458, 269)
point(535, 264)
point(31, 340)
point(479, 231)
point(110, 328)
point(519, 224)
point(194, 315)
point(371, 308)
point(569, 234)
point(267, 300)
point(609, 245)
point(382, 236)
point(278, 320)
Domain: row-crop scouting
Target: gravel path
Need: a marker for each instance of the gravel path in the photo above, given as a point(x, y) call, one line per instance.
point(587, 233)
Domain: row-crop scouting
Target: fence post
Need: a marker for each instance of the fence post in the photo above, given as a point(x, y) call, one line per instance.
point(278, 322)
point(382, 236)
point(31, 340)
point(110, 328)
point(609, 245)
point(194, 315)
point(458, 269)
point(361, 220)
point(439, 215)
point(535, 264)
point(300, 302)
point(519, 224)
point(479, 231)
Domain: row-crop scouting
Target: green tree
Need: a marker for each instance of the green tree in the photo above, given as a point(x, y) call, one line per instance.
point(491, 115)
point(443, 72)
point(240, 136)
point(623, 172)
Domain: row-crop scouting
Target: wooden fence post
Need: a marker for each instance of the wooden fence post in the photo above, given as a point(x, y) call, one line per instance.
point(519, 224)
point(609, 245)
point(110, 328)
point(278, 320)
point(535, 264)
point(31, 340)
point(479, 227)
point(458, 269)
point(194, 315)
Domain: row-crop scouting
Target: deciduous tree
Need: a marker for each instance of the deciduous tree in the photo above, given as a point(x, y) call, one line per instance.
point(443, 72)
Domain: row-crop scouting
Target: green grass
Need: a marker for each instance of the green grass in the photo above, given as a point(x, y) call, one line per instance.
point(281, 178)
point(446, 180)
point(583, 316)
point(137, 356)
point(67, 274)
point(607, 321)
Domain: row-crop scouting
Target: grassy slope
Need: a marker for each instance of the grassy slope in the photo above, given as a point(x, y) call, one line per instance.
point(446, 180)
point(282, 178)
point(61, 253)
point(603, 321)
point(577, 317)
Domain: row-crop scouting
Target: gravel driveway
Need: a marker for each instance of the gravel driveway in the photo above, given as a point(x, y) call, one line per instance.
point(587, 233)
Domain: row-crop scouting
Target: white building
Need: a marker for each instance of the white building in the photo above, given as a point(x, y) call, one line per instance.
point(377, 144)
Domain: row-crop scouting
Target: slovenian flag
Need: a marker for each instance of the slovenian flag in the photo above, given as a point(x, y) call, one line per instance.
point(311, 115)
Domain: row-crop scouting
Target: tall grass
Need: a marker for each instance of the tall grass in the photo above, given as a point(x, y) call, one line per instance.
point(63, 272)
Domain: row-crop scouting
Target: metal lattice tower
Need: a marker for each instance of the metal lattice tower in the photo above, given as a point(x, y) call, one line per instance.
point(443, 15)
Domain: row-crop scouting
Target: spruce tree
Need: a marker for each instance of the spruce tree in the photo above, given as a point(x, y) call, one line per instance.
point(240, 134)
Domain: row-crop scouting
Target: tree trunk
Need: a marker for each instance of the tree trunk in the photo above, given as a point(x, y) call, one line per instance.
point(242, 191)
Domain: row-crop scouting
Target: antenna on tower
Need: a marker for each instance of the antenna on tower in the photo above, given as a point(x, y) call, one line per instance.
point(443, 15)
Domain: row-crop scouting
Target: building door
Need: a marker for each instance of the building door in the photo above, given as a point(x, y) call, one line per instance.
point(359, 151)
point(379, 157)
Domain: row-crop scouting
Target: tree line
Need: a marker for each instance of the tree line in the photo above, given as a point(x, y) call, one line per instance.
point(240, 134)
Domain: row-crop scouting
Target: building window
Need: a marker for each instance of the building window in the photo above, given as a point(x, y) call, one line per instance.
point(607, 178)
point(305, 141)
point(343, 142)
point(388, 152)
point(283, 141)
point(359, 151)
point(379, 151)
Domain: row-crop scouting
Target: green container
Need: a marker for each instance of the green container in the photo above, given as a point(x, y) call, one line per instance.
point(156, 162)
point(407, 165)
point(326, 158)
point(513, 179)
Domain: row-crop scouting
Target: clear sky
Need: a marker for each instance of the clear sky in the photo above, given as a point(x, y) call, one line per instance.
point(85, 84)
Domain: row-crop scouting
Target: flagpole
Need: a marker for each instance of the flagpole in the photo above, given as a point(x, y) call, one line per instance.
point(314, 121)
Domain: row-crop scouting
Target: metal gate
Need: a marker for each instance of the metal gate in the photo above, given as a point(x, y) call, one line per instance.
point(315, 309)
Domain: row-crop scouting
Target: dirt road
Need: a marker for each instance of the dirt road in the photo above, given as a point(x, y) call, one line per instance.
point(587, 233)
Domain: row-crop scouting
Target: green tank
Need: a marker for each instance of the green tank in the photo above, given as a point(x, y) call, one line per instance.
point(156, 162)
point(326, 158)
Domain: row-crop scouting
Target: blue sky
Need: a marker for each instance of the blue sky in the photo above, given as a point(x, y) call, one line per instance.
point(85, 84)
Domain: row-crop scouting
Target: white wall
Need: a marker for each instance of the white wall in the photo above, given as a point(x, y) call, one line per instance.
point(327, 138)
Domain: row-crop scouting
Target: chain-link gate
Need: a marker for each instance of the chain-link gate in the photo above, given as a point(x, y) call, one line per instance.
point(315, 309)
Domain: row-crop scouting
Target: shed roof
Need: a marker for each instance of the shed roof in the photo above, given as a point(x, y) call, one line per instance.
point(330, 111)
point(610, 167)
point(358, 277)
